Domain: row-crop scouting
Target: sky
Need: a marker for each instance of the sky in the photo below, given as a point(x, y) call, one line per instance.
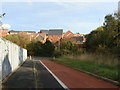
point(77, 16)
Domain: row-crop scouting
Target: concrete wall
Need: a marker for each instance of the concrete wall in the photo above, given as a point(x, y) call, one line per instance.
point(11, 56)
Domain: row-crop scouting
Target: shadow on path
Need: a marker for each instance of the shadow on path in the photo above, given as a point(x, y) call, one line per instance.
point(22, 78)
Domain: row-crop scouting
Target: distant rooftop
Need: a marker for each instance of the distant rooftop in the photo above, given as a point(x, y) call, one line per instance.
point(12, 31)
point(55, 32)
point(44, 31)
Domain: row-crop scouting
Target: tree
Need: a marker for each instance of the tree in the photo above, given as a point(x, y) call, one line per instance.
point(30, 49)
point(19, 39)
point(35, 48)
point(103, 38)
point(68, 46)
point(48, 48)
point(111, 28)
point(39, 49)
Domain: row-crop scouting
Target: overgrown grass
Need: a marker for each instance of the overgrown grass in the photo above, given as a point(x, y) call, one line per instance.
point(108, 71)
point(107, 59)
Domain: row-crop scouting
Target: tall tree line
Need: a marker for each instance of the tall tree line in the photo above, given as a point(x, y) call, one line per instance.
point(105, 39)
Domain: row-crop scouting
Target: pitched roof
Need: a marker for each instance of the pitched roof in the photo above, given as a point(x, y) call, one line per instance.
point(68, 34)
point(39, 37)
point(44, 31)
point(54, 38)
point(55, 32)
point(34, 35)
point(42, 34)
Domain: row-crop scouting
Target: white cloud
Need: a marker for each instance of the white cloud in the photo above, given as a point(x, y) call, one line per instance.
point(29, 2)
point(6, 26)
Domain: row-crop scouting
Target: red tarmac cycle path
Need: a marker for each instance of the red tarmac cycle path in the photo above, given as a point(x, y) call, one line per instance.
point(75, 79)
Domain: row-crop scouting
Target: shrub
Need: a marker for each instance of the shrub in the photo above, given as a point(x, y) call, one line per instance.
point(57, 53)
point(39, 49)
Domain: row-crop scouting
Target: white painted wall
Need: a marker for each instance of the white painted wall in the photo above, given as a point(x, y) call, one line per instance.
point(11, 56)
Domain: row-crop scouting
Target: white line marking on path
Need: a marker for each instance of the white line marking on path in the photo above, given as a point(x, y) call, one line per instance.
point(59, 81)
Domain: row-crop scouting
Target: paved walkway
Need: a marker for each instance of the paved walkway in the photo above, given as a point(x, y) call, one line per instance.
point(46, 79)
point(76, 79)
point(32, 74)
point(30, 78)
point(23, 77)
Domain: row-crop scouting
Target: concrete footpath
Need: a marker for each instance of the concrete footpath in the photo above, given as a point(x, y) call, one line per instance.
point(21, 78)
point(31, 75)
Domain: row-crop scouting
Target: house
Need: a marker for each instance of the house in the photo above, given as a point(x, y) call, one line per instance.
point(3, 32)
point(79, 40)
point(52, 35)
point(57, 32)
point(44, 31)
point(68, 34)
point(40, 37)
point(55, 35)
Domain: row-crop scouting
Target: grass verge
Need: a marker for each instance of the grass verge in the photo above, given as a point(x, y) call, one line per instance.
point(110, 72)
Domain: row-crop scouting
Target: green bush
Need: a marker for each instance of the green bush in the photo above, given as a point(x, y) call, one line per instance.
point(67, 47)
point(57, 53)
point(48, 49)
point(39, 49)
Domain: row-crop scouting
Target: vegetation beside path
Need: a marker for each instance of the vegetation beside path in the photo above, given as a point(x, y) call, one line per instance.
point(100, 69)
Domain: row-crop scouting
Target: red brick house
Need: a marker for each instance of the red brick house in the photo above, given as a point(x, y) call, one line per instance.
point(54, 35)
point(76, 38)
point(68, 34)
point(3, 32)
point(40, 37)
